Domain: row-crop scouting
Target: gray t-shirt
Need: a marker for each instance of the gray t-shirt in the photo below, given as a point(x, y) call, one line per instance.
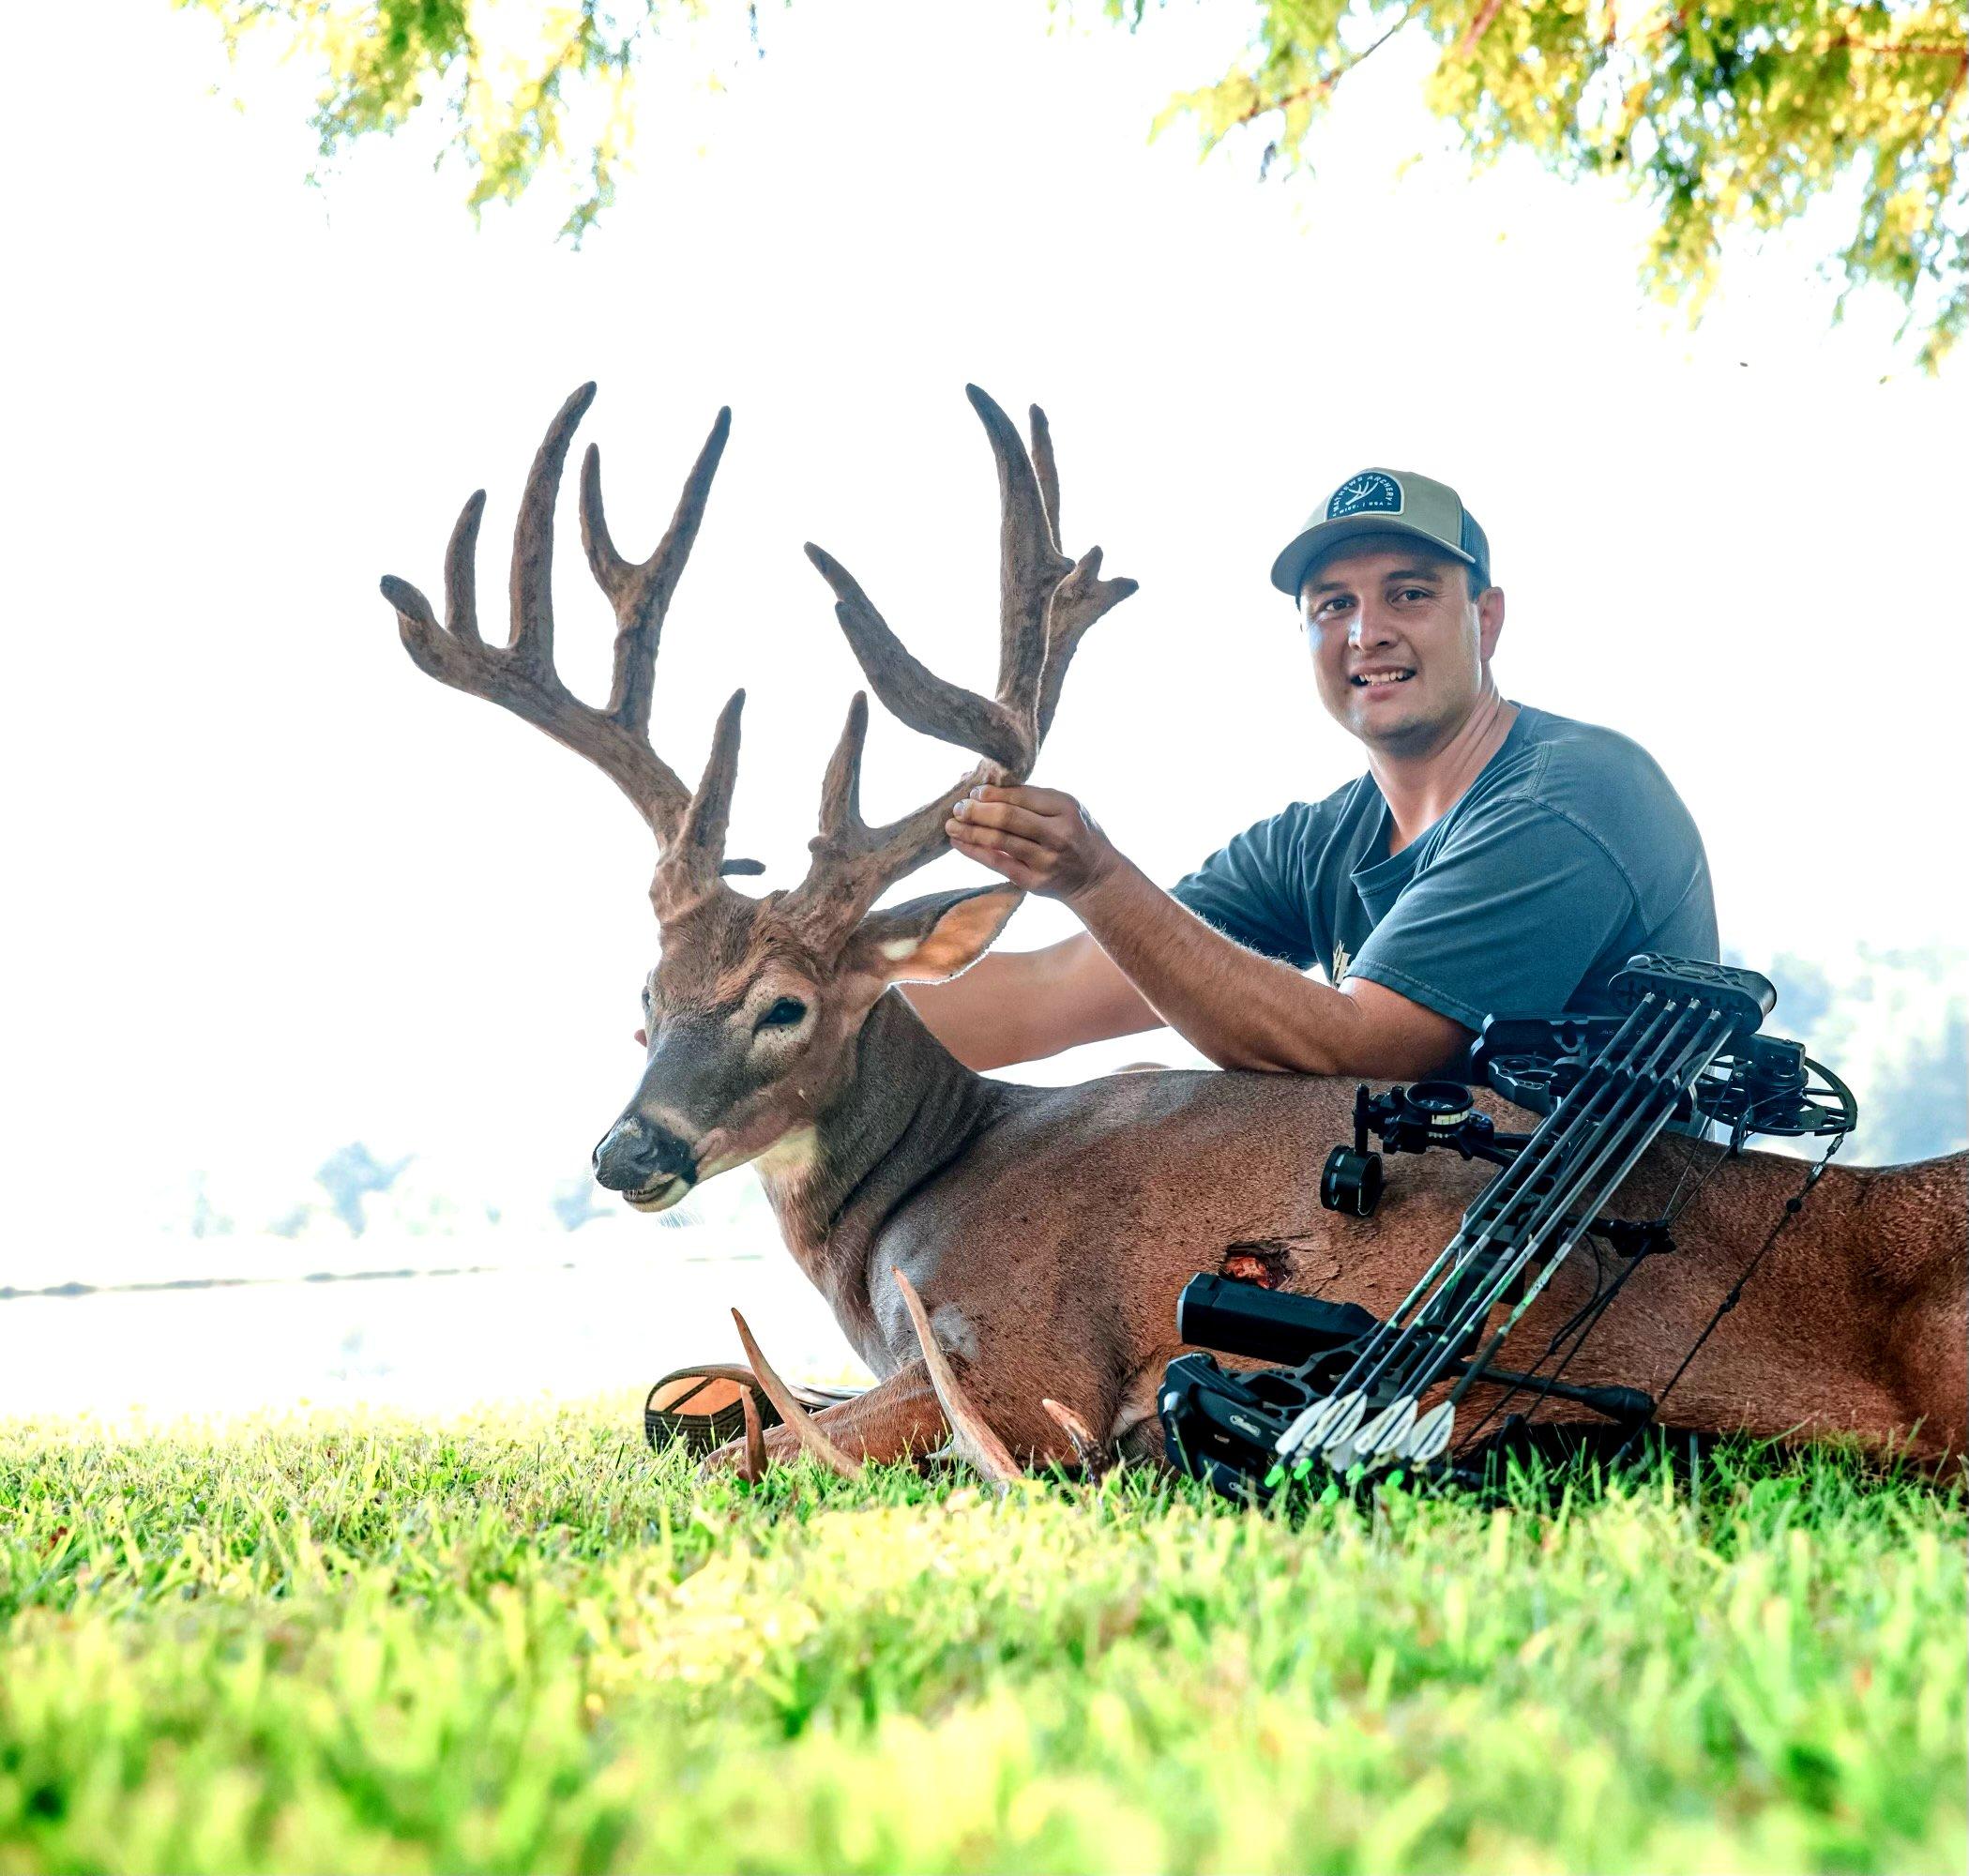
point(1568, 853)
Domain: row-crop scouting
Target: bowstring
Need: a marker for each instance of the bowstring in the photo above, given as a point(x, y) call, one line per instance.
point(1599, 1302)
point(1793, 1206)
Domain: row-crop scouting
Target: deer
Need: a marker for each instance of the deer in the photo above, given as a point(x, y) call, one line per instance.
point(1007, 1259)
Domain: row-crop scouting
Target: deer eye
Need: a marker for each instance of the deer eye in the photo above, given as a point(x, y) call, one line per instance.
point(783, 1015)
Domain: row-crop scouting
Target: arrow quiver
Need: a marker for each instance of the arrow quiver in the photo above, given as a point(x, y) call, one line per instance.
point(1347, 1389)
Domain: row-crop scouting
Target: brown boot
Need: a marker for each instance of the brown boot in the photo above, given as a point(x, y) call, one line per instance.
point(700, 1405)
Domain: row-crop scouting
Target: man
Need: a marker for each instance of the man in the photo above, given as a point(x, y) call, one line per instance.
point(1493, 860)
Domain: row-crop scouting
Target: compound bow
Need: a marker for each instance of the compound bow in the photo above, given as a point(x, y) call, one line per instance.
point(1348, 1390)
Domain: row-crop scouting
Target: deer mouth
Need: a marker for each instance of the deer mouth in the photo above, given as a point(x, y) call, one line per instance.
point(662, 1194)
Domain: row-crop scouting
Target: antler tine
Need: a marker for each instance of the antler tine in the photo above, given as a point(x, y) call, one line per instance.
point(1031, 567)
point(519, 675)
point(805, 1428)
point(531, 581)
point(1083, 598)
point(851, 861)
point(692, 862)
point(641, 592)
point(461, 569)
point(1047, 470)
point(914, 692)
point(969, 1432)
point(841, 787)
point(752, 1470)
point(1094, 1458)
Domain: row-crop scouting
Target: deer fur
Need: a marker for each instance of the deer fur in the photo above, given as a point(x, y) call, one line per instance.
point(1060, 1224)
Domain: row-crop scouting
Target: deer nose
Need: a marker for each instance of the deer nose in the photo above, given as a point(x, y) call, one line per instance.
point(636, 1153)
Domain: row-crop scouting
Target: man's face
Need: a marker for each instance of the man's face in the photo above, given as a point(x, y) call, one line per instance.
point(1399, 650)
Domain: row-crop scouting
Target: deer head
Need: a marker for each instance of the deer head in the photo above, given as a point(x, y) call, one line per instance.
point(755, 1005)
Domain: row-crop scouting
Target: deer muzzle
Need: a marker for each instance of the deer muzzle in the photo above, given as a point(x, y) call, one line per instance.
point(646, 1163)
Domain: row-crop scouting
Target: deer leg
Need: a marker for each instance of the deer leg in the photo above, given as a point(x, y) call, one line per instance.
point(896, 1419)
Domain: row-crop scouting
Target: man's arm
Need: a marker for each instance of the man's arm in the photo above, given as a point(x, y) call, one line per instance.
point(1239, 1010)
point(1020, 1005)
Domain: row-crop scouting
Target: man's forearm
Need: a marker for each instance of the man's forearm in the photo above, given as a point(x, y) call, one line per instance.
point(1241, 1011)
point(1021, 1006)
point(979, 1017)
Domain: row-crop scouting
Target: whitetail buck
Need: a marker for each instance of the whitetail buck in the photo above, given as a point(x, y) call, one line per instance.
point(1049, 1230)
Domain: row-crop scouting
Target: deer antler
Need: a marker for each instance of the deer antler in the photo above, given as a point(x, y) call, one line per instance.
point(969, 1432)
point(1095, 1459)
point(519, 675)
point(805, 1430)
point(1046, 604)
point(752, 1469)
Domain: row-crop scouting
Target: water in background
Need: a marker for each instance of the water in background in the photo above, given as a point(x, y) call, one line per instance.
point(430, 1325)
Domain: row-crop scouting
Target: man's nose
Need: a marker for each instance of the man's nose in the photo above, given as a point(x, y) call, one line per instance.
point(635, 1152)
point(1371, 625)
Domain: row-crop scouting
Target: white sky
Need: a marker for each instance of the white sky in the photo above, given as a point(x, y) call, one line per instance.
point(273, 891)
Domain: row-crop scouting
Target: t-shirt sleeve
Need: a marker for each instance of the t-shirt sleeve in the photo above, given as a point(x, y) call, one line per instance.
point(1253, 890)
point(1506, 920)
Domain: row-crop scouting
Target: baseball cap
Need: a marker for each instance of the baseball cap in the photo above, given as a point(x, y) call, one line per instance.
point(1384, 501)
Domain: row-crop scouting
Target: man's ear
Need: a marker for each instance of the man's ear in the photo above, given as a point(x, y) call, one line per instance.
point(1489, 620)
point(931, 938)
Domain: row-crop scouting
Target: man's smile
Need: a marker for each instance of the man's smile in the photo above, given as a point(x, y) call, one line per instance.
point(1380, 676)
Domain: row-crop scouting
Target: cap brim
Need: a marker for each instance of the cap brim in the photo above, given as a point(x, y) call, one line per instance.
point(1289, 570)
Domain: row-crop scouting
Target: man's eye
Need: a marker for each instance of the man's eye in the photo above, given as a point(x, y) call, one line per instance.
point(783, 1015)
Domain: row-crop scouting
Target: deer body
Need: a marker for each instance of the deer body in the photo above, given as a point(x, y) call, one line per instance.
point(1050, 1231)
point(1008, 1258)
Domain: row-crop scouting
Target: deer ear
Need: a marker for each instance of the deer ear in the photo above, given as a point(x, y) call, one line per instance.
point(929, 939)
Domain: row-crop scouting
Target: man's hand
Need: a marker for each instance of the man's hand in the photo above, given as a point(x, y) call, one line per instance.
point(1036, 838)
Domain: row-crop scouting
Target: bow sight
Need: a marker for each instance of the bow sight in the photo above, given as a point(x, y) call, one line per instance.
point(1347, 1389)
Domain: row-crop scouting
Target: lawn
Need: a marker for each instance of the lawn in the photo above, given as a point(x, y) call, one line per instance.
point(520, 1642)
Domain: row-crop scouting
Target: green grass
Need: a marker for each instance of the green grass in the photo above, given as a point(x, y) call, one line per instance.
point(520, 1642)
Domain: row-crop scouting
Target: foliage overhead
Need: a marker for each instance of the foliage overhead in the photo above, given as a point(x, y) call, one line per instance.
point(1734, 114)
point(1724, 115)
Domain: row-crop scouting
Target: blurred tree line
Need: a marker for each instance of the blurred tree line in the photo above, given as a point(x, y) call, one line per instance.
point(1894, 1022)
point(1735, 115)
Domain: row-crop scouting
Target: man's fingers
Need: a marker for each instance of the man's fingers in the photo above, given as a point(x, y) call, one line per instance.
point(1037, 800)
point(986, 846)
point(1011, 857)
point(1005, 817)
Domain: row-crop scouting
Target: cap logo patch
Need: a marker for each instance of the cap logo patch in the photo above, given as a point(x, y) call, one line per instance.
point(1372, 494)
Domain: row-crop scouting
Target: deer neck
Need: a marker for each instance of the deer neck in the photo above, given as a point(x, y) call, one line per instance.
point(907, 1111)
